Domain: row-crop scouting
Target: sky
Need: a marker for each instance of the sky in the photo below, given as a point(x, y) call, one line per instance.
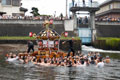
point(49, 7)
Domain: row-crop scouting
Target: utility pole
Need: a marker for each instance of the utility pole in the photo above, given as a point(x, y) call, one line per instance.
point(66, 8)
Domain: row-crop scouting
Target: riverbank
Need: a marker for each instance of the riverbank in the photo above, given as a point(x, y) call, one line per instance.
point(64, 47)
point(15, 48)
point(107, 43)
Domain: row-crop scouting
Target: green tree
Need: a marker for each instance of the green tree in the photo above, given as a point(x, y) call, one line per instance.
point(35, 11)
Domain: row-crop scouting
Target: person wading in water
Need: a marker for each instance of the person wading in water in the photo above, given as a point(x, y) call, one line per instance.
point(30, 46)
point(70, 46)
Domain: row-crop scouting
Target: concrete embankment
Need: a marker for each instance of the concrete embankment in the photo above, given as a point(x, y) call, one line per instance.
point(23, 27)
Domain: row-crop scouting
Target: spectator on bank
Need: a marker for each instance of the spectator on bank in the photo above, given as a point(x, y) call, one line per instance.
point(83, 3)
point(80, 20)
point(118, 19)
point(86, 20)
point(61, 16)
point(0, 17)
point(91, 1)
point(73, 2)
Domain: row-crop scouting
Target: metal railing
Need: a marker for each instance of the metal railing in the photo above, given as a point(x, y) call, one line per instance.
point(99, 23)
point(18, 21)
point(86, 4)
point(107, 23)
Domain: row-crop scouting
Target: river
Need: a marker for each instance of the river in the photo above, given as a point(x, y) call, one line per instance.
point(17, 71)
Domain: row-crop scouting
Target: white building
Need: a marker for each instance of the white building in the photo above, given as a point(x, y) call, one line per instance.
point(11, 7)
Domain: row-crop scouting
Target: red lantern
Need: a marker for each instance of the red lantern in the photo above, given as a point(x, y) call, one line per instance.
point(30, 34)
point(40, 43)
point(51, 21)
point(66, 34)
point(56, 42)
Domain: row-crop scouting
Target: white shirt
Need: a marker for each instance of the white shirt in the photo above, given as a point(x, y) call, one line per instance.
point(100, 64)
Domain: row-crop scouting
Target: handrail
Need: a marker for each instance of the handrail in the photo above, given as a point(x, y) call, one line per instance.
point(20, 21)
point(107, 23)
point(87, 4)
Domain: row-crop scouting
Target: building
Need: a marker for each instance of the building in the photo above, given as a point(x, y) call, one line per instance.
point(11, 7)
point(109, 9)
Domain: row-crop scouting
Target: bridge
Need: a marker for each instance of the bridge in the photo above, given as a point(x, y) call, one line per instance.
point(87, 35)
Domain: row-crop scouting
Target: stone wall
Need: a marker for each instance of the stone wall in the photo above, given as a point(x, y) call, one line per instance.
point(24, 29)
point(108, 30)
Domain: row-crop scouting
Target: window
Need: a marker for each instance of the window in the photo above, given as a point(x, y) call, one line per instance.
point(6, 2)
point(110, 6)
point(16, 2)
point(3, 2)
point(118, 5)
point(15, 14)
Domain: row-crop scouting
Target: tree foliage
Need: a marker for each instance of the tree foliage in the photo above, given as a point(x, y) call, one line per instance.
point(35, 11)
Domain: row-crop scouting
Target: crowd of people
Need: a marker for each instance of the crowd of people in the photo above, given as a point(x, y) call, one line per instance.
point(31, 17)
point(83, 20)
point(91, 58)
point(80, 20)
point(69, 59)
point(83, 2)
point(108, 19)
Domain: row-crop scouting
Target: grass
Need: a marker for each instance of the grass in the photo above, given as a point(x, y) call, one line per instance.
point(111, 41)
point(108, 38)
point(30, 38)
point(68, 38)
point(16, 38)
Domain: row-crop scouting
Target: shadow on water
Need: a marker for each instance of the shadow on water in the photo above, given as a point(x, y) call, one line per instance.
point(18, 71)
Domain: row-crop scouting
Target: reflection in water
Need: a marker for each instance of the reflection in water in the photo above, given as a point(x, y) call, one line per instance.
point(17, 71)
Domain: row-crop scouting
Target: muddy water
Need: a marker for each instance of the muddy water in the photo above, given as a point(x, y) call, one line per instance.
point(17, 71)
